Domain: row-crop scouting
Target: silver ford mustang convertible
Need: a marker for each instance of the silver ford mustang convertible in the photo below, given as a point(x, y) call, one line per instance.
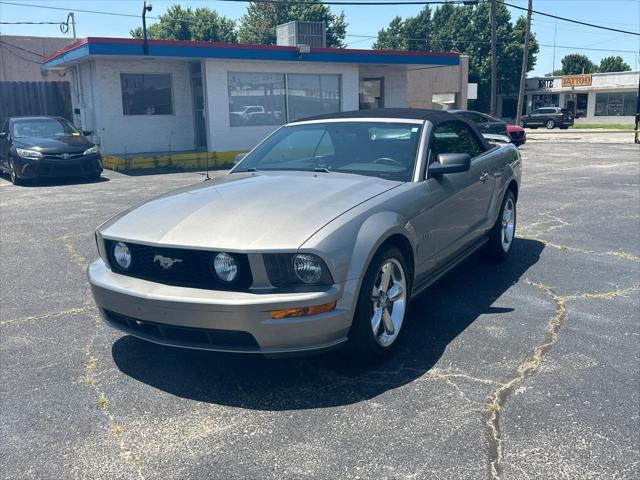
point(319, 237)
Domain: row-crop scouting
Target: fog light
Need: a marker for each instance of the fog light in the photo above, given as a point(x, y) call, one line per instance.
point(303, 311)
point(122, 255)
point(226, 267)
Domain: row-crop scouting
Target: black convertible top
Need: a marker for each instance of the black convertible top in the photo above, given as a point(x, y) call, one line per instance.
point(434, 116)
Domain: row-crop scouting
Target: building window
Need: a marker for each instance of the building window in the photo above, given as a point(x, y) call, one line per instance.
point(256, 99)
point(146, 94)
point(371, 93)
point(615, 104)
point(309, 95)
point(273, 99)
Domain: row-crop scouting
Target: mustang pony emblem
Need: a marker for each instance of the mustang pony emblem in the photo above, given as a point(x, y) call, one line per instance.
point(166, 262)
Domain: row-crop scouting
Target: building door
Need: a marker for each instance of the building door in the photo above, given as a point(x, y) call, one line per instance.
point(581, 105)
point(371, 93)
point(200, 121)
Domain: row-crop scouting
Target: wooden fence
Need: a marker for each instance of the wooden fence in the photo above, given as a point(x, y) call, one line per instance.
point(35, 98)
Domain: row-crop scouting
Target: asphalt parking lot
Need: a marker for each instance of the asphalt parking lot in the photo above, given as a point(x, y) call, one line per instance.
point(523, 370)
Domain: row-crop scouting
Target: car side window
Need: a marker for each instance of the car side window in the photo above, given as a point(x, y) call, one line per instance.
point(474, 117)
point(453, 137)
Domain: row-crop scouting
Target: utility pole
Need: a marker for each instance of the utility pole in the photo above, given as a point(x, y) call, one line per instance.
point(494, 60)
point(145, 43)
point(71, 19)
point(525, 61)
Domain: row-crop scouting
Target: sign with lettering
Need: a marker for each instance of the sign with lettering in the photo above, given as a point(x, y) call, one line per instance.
point(576, 81)
point(545, 83)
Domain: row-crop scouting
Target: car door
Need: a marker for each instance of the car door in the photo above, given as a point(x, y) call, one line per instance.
point(463, 212)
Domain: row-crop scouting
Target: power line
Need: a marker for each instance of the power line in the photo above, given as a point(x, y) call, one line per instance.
point(564, 19)
point(486, 42)
point(21, 48)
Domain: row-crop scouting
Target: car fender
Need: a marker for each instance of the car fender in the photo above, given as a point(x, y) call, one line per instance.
point(349, 248)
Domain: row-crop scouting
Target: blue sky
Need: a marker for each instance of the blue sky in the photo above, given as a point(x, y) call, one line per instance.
point(367, 20)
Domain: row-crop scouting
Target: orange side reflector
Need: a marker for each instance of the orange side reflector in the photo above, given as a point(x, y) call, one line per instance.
point(304, 311)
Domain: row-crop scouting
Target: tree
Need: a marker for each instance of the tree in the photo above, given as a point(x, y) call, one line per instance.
point(575, 64)
point(203, 24)
point(467, 30)
point(258, 24)
point(613, 64)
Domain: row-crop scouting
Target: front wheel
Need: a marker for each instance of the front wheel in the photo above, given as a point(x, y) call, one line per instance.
point(13, 175)
point(550, 124)
point(383, 303)
point(504, 231)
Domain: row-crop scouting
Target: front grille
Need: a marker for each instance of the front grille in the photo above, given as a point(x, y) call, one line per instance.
point(189, 268)
point(63, 156)
point(185, 336)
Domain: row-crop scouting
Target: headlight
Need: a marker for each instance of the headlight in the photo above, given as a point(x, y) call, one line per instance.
point(307, 268)
point(295, 269)
point(122, 255)
point(225, 267)
point(34, 154)
point(91, 151)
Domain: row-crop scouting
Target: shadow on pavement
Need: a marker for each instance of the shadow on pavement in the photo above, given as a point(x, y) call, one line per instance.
point(437, 317)
point(53, 182)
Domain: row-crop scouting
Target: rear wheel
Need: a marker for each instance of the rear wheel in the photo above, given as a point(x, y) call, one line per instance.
point(382, 306)
point(550, 124)
point(503, 232)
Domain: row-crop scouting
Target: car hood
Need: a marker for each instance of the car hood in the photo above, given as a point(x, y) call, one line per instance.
point(69, 144)
point(267, 211)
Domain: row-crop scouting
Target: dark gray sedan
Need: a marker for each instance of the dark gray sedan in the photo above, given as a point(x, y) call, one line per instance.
point(318, 238)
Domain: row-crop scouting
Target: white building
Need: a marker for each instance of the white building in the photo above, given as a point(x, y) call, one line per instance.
point(594, 97)
point(224, 98)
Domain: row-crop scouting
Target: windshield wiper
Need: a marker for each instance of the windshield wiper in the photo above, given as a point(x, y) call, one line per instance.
point(322, 169)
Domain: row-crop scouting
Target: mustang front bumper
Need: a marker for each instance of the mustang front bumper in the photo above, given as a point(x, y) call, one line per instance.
point(220, 320)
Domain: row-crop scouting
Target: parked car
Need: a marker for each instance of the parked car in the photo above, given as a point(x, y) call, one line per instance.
point(485, 123)
point(319, 237)
point(517, 134)
point(549, 117)
point(45, 147)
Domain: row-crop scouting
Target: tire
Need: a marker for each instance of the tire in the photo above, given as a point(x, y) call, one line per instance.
point(13, 175)
point(503, 232)
point(376, 328)
point(550, 124)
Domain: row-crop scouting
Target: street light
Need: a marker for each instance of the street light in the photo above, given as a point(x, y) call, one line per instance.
point(146, 8)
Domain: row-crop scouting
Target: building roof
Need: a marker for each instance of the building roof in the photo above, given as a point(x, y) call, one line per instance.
point(96, 47)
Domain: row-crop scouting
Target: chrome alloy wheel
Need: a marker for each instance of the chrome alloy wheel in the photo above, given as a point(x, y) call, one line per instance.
point(508, 224)
point(389, 300)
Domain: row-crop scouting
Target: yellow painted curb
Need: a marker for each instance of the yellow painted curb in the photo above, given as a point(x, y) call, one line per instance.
point(193, 160)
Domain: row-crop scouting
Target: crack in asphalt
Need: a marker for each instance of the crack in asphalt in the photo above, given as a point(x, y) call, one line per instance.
point(531, 364)
point(116, 431)
point(102, 403)
point(32, 318)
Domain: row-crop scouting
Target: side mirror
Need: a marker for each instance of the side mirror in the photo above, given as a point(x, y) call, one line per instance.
point(450, 163)
point(4, 134)
point(239, 157)
point(86, 133)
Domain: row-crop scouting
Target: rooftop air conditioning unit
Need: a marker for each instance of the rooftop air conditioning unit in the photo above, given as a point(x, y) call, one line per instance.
point(297, 33)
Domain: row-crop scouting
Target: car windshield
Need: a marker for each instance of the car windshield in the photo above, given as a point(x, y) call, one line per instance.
point(380, 149)
point(43, 127)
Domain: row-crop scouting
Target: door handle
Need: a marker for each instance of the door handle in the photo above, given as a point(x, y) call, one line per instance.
point(484, 177)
